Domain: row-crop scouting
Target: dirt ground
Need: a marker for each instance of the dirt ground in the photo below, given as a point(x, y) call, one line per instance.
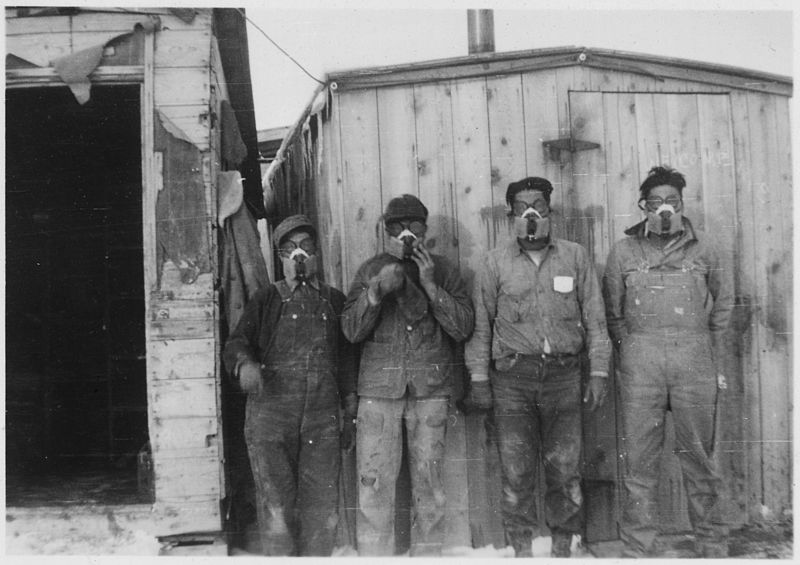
point(103, 530)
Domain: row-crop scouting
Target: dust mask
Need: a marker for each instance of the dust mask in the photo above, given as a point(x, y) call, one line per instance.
point(664, 220)
point(532, 226)
point(402, 245)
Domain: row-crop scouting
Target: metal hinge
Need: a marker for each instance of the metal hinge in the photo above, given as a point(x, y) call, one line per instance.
point(556, 146)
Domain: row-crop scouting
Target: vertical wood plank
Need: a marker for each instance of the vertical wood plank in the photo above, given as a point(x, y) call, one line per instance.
point(569, 199)
point(771, 284)
point(435, 164)
point(334, 265)
point(541, 124)
point(506, 142)
point(473, 186)
point(685, 153)
point(746, 296)
point(622, 163)
point(716, 146)
point(361, 195)
point(398, 143)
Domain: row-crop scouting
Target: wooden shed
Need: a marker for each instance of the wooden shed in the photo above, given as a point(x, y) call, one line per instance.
point(121, 125)
point(455, 132)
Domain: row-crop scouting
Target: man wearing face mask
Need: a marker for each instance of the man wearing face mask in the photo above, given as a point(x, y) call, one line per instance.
point(537, 308)
point(408, 308)
point(668, 302)
point(288, 354)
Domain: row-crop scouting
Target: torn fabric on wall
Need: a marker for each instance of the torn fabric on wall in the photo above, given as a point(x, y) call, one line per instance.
point(243, 268)
point(181, 212)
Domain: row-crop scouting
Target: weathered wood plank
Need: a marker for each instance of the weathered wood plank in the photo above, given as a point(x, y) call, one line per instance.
point(398, 143)
point(182, 310)
point(361, 193)
point(506, 142)
point(685, 154)
point(771, 284)
point(182, 329)
point(472, 184)
point(622, 163)
point(180, 517)
point(588, 215)
point(746, 303)
point(173, 434)
point(183, 48)
point(436, 175)
point(334, 268)
point(186, 86)
point(187, 475)
point(181, 359)
point(183, 398)
point(541, 124)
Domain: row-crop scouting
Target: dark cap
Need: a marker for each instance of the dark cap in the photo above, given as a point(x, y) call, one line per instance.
point(405, 206)
point(289, 225)
point(529, 183)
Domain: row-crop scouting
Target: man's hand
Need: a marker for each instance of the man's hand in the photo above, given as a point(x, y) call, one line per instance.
point(479, 397)
point(250, 377)
point(424, 261)
point(349, 424)
point(388, 279)
point(596, 392)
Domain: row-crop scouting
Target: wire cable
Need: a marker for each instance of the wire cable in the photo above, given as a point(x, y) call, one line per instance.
point(281, 49)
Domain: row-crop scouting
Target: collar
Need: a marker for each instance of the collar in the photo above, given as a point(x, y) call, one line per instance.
point(640, 230)
point(517, 249)
point(286, 288)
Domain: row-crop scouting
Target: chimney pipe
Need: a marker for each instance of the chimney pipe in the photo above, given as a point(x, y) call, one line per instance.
point(480, 29)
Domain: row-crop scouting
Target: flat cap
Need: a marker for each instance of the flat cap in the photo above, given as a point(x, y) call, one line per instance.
point(405, 206)
point(290, 224)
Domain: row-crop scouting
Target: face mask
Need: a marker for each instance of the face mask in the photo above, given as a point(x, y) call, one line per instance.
point(299, 265)
point(532, 226)
point(664, 220)
point(402, 246)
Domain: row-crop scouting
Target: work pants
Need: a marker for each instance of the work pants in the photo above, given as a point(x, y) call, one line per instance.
point(292, 435)
point(379, 450)
point(537, 407)
point(657, 374)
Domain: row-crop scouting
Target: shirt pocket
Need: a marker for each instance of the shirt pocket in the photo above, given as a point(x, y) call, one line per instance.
point(566, 297)
point(509, 307)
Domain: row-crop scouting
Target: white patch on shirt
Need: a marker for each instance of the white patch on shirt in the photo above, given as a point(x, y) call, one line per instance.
point(563, 284)
point(679, 310)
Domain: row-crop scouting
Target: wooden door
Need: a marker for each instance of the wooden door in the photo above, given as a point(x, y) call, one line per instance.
point(636, 131)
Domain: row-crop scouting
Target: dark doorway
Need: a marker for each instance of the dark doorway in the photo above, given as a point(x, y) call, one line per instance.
point(76, 394)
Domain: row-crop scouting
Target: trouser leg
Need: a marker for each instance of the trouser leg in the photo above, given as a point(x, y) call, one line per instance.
point(272, 448)
point(318, 482)
point(518, 440)
point(561, 430)
point(426, 423)
point(379, 452)
point(643, 401)
point(693, 400)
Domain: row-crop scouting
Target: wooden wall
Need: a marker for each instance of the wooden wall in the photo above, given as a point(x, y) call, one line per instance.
point(458, 143)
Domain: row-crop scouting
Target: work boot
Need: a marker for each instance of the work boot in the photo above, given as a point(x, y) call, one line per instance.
point(522, 542)
point(562, 542)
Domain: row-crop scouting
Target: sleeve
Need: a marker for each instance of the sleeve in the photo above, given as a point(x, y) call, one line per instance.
point(477, 352)
point(593, 315)
point(614, 296)
point(720, 285)
point(452, 305)
point(359, 316)
point(347, 368)
point(242, 344)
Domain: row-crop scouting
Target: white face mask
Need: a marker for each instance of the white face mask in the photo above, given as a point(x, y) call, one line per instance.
point(531, 225)
point(299, 265)
point(665, 220)
point(403, 244)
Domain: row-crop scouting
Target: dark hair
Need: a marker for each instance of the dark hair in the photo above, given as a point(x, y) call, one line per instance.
point(659, 176)
point(530, 183)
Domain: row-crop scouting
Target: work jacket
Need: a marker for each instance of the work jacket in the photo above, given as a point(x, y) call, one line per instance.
point(409, 339)
point(682, 289)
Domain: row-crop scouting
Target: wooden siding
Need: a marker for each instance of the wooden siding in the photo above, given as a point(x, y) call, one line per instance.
point(457, 144)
